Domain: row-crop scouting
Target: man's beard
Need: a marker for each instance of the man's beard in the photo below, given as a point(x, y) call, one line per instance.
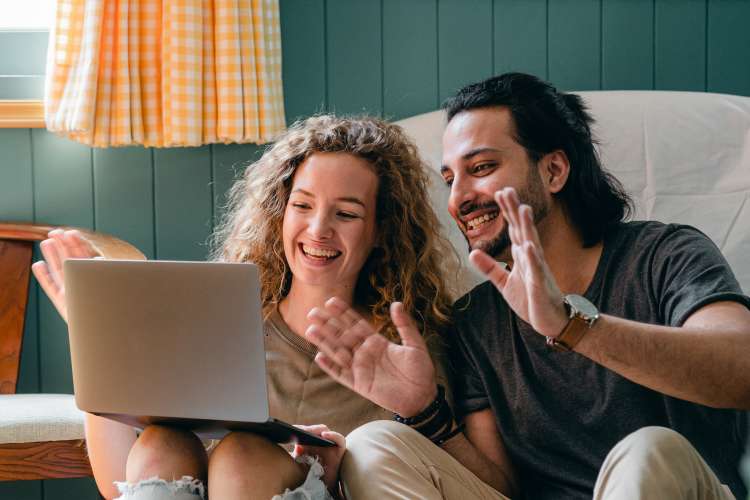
point(531, 194)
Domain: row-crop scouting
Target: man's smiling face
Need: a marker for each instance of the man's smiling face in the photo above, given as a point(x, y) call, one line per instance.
point(480, 157)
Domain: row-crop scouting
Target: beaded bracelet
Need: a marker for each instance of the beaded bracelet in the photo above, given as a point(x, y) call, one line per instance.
point(435, 422)
point(438, 424)
point(440, 440)
point(425, 414)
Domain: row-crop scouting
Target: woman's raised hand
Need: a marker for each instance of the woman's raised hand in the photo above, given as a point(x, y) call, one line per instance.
point(400, 378)
point(58, 246)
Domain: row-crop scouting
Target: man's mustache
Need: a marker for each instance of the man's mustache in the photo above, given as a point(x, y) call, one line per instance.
point(467, 209)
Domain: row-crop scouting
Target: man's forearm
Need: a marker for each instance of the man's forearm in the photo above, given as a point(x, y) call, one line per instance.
point(692, 362)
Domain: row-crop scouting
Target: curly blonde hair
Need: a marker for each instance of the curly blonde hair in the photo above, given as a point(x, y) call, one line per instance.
point(409, 261)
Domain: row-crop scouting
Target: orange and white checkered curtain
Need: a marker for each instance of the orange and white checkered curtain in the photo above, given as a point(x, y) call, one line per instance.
point(165, 73)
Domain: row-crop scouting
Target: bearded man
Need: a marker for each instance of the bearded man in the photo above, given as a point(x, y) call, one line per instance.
point(606, 359)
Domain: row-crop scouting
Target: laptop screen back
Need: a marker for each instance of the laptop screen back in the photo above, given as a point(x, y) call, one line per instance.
point(169, 339)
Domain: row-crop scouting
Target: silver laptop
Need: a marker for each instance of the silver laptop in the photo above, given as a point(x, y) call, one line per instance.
point(175, 343)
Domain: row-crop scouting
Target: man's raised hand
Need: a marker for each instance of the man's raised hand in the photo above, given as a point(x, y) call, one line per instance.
point(400, 378)
point(529, 287)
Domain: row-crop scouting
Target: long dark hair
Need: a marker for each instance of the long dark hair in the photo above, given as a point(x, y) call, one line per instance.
point(547, 120)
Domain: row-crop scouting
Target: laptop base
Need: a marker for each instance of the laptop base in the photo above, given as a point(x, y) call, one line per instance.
point(274, 430)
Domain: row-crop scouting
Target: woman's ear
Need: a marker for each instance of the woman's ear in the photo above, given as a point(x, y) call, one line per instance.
point(554, 170)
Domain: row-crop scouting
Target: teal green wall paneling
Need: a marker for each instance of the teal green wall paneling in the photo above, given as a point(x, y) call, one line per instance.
point(410, 58)
point(729, 47)
point(680, 28)
point(67, 489)
point(304, 68)
point(54, 357)
point(354, 54)
point(21, 490)
point(520, 36)
point(575, 44)
point(183, 204)
point(124, 195)
point(62, 181)
point(63, 194)
point(464, 43)
point(228, 163)
point(16, 190)
point(627, 45)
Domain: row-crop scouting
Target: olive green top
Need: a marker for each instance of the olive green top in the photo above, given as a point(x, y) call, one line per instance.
point(300, 392)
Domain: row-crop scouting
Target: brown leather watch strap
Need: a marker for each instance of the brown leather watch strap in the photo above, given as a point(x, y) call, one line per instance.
point(571, 334)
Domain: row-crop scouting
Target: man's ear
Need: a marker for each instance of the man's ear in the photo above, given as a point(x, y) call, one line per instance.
point(554, 170)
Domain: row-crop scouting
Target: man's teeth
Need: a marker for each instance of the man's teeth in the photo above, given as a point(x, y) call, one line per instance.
point(475, 223)
point(319, 252)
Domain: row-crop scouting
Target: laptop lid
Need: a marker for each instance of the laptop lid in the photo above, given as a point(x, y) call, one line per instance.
point(167, 339)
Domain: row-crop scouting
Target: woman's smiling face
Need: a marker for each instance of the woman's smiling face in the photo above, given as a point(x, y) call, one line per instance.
point(329, 221)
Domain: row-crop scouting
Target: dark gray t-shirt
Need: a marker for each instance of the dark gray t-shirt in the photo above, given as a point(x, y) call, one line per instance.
point(560, 413)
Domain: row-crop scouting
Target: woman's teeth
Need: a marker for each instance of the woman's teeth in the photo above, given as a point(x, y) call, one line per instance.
point(475, 223)
point(319, 252)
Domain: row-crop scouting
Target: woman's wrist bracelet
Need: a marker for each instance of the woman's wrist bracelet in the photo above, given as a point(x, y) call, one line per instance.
point(425, 414)
point(442, 439)
point(438, 423)
point(435, 421)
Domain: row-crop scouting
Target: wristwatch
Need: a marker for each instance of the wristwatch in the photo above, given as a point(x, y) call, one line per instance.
point(583, 314)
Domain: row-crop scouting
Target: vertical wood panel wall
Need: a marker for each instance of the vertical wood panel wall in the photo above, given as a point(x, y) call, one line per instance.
point(393, 58)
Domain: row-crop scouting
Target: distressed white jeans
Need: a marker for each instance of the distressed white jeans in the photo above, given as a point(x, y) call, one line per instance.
point(187, 488)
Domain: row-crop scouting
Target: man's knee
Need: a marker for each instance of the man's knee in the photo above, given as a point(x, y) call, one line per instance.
point(382, 449)
point(650, 442)
point(166, 452)
point(377, 445)
point(380, 434)
point(654, 462)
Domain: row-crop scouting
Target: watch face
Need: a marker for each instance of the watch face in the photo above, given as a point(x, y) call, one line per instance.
point(582, 305)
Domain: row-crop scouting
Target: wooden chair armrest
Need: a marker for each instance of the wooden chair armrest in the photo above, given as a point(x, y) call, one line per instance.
point(105, 245)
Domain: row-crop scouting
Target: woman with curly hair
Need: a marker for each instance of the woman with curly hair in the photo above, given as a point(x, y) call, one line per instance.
point(335, 207)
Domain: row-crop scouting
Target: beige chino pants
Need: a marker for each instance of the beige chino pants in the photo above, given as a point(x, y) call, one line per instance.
point(388, 460)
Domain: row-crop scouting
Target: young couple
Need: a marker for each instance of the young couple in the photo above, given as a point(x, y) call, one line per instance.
point(578, 368)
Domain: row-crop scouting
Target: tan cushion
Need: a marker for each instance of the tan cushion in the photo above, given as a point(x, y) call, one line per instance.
point(30, 418)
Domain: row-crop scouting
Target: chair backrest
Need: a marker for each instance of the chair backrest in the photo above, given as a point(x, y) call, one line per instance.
point(683, 157)
point(16, 246)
